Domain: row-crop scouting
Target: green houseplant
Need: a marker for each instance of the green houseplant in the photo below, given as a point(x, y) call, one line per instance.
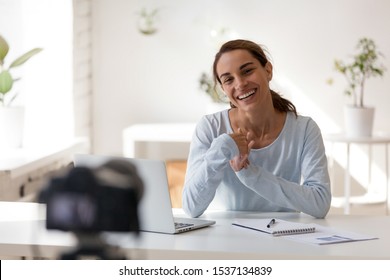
point(11, 117)
point(219, 100)
point(207, 85)
point(364, 65)
point(6, 78)
point(147, 21)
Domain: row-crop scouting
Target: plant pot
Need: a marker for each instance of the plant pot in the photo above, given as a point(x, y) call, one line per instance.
point(146, 26)
point(359, 121)
point(11, 127)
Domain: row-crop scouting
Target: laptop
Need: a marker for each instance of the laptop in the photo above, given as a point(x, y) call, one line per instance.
point(155, 208)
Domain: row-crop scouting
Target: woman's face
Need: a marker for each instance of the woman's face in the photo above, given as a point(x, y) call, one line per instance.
point(243, 79)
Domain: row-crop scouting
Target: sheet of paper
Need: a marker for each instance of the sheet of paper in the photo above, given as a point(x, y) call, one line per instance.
point(326, 235)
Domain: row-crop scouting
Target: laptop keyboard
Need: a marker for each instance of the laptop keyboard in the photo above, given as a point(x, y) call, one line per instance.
point(182, 225)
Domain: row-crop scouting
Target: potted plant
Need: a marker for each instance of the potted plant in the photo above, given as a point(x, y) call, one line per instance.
point(147, 21)
point(364, 65)
point(217, 96)
point(11, 118)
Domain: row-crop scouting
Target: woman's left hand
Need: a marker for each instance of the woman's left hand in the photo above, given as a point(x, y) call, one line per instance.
point(241, 160)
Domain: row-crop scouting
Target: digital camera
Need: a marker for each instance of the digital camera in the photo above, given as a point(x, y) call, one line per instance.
point(94, 200)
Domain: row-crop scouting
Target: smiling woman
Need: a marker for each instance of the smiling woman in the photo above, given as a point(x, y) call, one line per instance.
point(257, 56)
point(259, 155)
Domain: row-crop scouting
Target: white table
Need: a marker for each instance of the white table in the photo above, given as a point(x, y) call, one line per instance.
point(156, 132)
point(25, 235)
point(370, 141)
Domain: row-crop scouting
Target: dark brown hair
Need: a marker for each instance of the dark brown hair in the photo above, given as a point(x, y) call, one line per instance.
point(280, 103)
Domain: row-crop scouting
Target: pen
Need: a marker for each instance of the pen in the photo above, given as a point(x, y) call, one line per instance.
point(271, 223)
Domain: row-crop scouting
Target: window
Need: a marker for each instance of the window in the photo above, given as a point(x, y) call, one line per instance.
point(46, 87)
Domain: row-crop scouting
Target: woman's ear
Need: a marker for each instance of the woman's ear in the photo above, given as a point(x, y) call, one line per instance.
point(268, 69)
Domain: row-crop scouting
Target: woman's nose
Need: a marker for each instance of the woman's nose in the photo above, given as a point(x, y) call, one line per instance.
point(240, 83)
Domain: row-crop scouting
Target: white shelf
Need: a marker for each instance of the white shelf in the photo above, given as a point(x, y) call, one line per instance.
point(22, 171)
point(177, 134)
point(368, 198)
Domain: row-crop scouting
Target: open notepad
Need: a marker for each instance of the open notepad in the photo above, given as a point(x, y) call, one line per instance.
point(277, 228)
point(314, 233)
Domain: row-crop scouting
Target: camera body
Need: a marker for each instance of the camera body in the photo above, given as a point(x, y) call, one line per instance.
point(94, 200)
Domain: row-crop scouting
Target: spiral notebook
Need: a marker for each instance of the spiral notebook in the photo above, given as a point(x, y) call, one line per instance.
point(276, 227)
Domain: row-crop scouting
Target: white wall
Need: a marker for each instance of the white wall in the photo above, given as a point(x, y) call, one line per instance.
point(140, 79)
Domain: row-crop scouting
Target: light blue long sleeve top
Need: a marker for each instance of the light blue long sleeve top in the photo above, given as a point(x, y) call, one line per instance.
point(290, 174)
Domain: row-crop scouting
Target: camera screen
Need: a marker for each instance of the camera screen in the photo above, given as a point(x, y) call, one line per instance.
point(68, 211)
point(105, 209)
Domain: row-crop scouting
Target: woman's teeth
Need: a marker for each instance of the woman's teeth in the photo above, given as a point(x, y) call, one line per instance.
point(241, 97)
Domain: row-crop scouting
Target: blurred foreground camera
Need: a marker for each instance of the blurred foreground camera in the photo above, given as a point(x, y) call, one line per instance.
point(89, 201)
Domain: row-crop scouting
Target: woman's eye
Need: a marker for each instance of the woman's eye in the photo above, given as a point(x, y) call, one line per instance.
point(247, 71)
point(227, 80)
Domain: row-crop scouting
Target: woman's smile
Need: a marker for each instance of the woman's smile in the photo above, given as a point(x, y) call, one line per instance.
point(246, 95)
